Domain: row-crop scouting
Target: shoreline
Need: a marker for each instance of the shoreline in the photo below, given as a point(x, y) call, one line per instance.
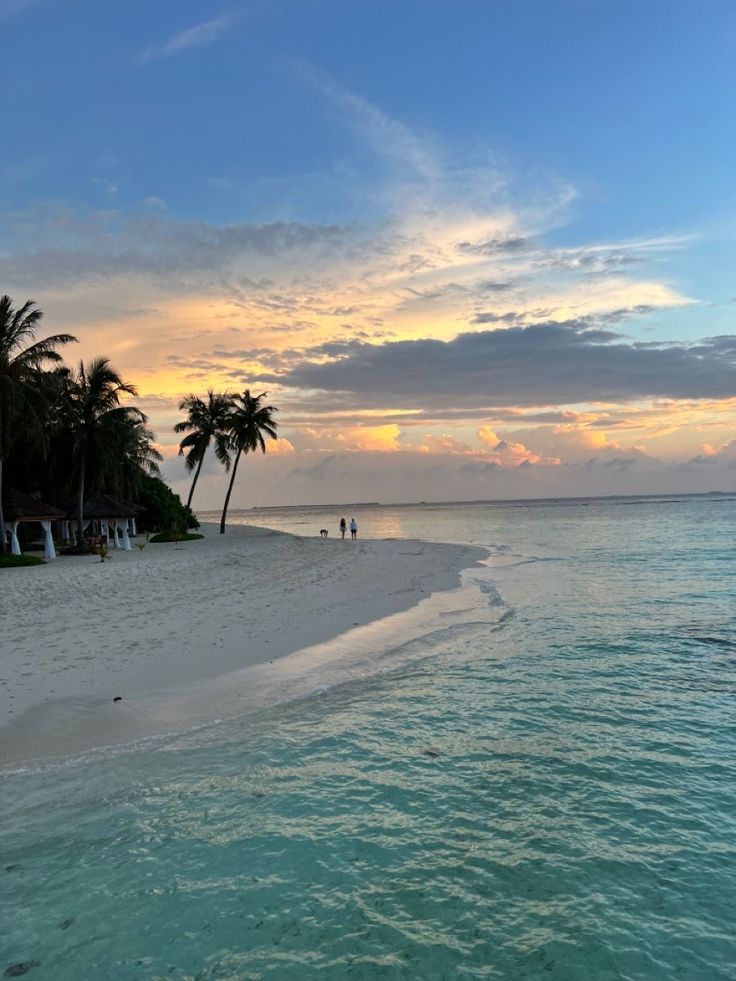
point(171, 628)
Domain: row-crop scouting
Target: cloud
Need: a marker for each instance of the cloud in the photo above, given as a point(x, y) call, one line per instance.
point(540, 365)
point(398, 276)
point(315, 471)
point(82, 248)
point(312, 312)
point(495, 246)
point(193, 37)
point(387, 136)
point(357, 437)
point(443, 444)
point(571, 443)
point(394, 477)
point(479, 467)
point(717, 456)
point(507, 452)
point(494, 450)
point(155, 202)
point(112, 187)
point(281, 446)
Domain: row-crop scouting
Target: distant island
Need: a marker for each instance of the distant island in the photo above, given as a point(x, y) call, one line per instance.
point(316, 507)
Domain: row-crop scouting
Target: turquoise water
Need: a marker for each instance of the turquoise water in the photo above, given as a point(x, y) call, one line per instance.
point(547, 796)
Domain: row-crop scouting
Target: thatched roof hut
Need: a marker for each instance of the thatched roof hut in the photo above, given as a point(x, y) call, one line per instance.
point(139, 510)
point(19, 507)
point(102, 507)
point(113, 516)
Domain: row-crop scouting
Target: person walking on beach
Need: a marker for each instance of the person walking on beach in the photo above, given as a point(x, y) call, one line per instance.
point(353, 528)
point(343, 527)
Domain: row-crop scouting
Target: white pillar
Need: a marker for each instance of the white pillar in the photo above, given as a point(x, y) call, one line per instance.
point(65, 534)
point(126, 540)
point(14, 543)
point(115, 539)
point(103, 530)
point(49, 552)
point(133, 529)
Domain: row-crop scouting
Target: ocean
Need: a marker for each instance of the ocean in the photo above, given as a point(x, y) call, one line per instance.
point(534, 780)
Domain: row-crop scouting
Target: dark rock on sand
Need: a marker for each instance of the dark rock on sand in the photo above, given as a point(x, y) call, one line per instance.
point(22, 967)
point(118, 698)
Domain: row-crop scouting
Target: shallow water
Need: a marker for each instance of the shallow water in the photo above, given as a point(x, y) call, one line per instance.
point(547, 792)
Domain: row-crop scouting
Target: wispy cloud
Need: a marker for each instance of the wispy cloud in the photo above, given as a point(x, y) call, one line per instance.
point(387, 136)
point(111, 186)
point(193, 37)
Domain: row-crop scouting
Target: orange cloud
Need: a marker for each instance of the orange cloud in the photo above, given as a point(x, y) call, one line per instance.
point(352, 439)
point(443, 444)
point(279, 446)
point(495, 449)
point(506, 452)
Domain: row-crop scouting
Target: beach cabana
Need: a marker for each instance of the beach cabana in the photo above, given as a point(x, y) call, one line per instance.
point(112, 517)
point(137, 512)
point(19, 508)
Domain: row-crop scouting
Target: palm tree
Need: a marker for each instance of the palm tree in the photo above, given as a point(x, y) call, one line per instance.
point(135, 455)
point(22, 360)
point(98, 421)
point(205, 421)
point(248, 421)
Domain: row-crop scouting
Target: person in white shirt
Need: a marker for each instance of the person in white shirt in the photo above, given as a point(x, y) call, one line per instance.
point(353, 528)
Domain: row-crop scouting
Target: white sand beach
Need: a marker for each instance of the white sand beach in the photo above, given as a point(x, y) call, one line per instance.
point(78, 633)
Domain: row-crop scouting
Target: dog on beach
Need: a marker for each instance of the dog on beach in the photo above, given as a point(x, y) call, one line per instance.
point(323, 533)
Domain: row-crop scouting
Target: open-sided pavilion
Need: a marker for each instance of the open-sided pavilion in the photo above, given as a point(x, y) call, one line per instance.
point(20, 508)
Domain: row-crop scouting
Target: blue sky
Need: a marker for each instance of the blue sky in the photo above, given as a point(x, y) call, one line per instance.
point(630, 100)
point(596, 135)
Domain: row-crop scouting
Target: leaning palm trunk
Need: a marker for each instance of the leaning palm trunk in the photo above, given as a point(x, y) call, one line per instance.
point(80, 501)
point(194, 482)
point(2, 515)
point(229, 492)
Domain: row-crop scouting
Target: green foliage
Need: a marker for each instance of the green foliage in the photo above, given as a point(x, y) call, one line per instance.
point(8, 561)
point(108, 437)
point(205, 422)
point(248, 421)
point(163, 508)
point(23, 364)
point(68, 433)
point(174, 536)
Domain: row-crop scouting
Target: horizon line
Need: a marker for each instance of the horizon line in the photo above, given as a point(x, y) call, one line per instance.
point(664, 495)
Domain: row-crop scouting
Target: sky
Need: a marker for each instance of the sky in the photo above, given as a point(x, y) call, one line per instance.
point(471, 249)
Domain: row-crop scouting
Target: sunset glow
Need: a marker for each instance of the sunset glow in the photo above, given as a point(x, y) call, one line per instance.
point(395, 291)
